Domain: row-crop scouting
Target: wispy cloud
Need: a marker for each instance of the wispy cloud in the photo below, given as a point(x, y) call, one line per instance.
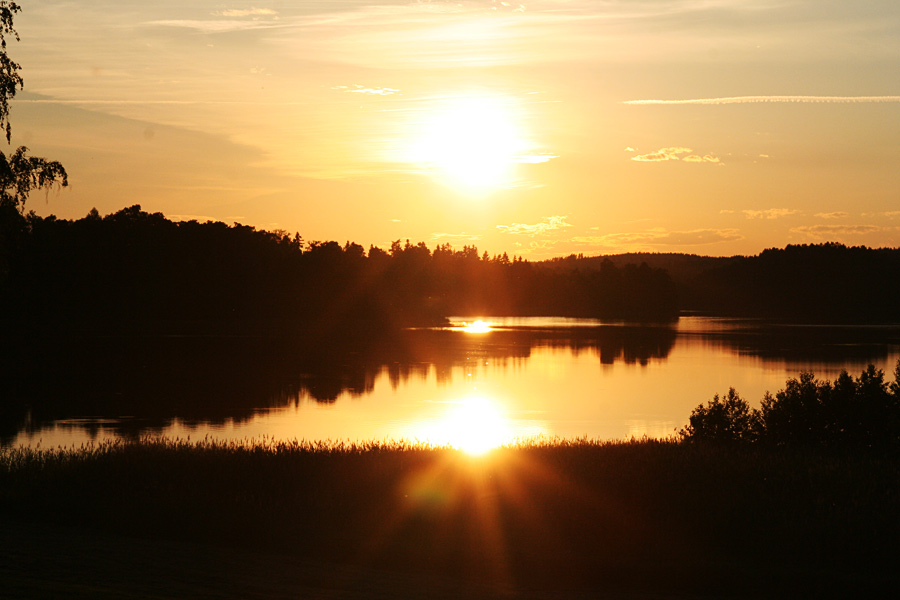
point(763, 99)
point(826, 231)
point(361, 89)
point(674, 153)
point(210, 26)
point(833, 215)
point(148, 102)
point(662, 154)
point(706, 158)
point(547, 225)
point(246, 12)
point(770, 213)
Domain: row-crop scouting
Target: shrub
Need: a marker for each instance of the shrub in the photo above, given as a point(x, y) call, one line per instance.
point(728, 420)
point(860, 413)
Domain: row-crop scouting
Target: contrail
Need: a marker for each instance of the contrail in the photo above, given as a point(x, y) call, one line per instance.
point(757, 99)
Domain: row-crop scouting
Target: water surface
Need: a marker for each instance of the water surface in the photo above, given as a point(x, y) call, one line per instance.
point(468, 385)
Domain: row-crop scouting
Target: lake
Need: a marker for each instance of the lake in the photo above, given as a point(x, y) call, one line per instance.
point(473, 385)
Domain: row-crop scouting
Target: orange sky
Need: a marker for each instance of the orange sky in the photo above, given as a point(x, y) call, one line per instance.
point(539, 129)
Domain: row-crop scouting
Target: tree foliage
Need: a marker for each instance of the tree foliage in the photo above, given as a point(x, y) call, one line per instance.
point(848, 413)
point(19, 173)
point(729, 419)
point(10, 80)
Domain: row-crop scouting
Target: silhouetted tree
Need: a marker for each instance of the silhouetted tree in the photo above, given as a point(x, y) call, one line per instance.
point(860, 413)
point(19, 173)
point(726, 420)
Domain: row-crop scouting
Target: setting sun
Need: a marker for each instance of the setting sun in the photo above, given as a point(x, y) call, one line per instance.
point(474, 142)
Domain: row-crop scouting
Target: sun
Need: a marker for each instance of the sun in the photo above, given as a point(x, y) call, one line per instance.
point(474, 141)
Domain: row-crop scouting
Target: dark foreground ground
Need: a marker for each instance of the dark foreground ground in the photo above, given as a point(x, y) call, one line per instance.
point(566, 520)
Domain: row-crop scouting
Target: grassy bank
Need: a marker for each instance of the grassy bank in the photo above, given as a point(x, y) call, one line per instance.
point(570, 517)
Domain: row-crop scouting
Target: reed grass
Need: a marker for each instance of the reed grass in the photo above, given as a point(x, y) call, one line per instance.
point(653, 513)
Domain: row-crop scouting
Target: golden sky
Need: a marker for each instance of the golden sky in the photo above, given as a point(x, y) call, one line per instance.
point(542, 128)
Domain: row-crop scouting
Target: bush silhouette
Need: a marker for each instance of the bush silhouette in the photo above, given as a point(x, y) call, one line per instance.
point(848, 413)
point(727, 420)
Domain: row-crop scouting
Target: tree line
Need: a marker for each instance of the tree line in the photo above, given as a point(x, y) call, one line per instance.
point(828, 282)
point(133, 270)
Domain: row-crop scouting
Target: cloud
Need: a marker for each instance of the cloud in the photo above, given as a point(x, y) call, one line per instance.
point(770, 213)
point(212, 26)
point(772, 99)
point(375, 91)
point(360, 89)
point(547, 225)
point(833, 215)
point(249, 12)
point(148, 102)
point(673, 153)
point(701, 159)
point(826, 231)
point(433, 34)
point(662, 154)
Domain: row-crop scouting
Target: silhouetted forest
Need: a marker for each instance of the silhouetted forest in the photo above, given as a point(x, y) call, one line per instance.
point(826, 282)
point(134, 271)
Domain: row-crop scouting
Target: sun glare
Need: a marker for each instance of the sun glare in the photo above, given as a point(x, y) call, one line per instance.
point(474, 142)
point(476, 327)
point(474, 425)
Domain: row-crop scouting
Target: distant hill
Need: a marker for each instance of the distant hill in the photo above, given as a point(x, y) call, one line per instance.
point(681, 267)
point(827, 282)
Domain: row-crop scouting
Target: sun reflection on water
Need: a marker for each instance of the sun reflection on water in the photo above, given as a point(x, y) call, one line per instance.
point(474, 424)
point(478, 326)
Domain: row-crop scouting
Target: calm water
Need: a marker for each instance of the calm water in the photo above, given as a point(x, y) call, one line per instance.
point(467, 386)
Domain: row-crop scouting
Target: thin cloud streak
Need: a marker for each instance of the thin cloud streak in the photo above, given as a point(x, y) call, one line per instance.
point(770, 213)
point(824, 231)
point(161, 102)
point(772, 99)
point(547, 225)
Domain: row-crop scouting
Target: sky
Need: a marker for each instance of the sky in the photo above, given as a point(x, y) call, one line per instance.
point(540, 129)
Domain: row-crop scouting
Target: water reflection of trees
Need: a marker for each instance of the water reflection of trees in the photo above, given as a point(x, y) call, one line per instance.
point(826, 344)
point(134, 386)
